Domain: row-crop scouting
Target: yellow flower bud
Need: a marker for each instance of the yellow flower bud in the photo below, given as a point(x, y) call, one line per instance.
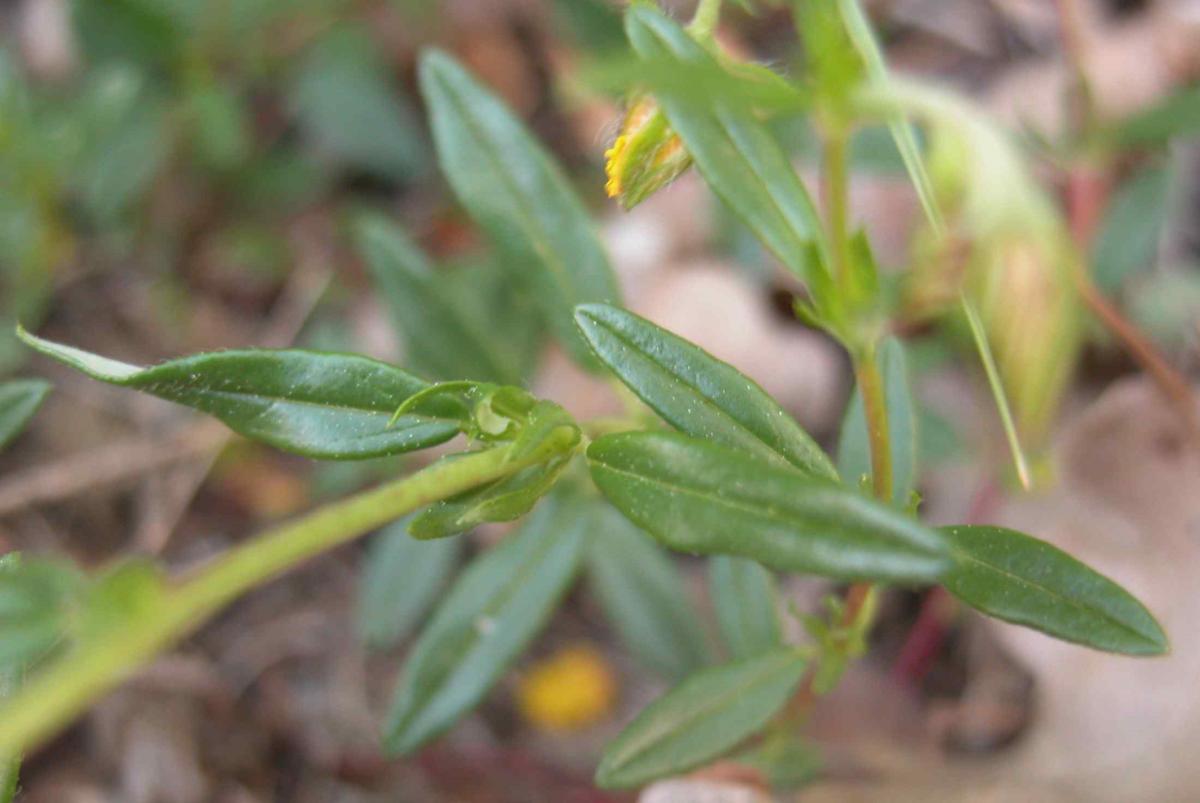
point(646, 156)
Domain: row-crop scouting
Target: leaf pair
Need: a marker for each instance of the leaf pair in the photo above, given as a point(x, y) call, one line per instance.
point(770, 496)
point(751, 483)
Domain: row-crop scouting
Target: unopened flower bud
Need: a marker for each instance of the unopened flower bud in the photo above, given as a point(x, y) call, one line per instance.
point(1031, 312)
point(646, 156)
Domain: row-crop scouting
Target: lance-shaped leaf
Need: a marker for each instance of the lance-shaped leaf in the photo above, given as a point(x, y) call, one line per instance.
point(19, 400)
point(401, 578)
point(644, 597)
point(1020, 579)
point(701, 718)
point(736, 154)
point(747, 605)
point(510, 186)
point(331, 406)
point(494, 610)
point(854, 451)
point(440, 337)
point(702, 498)
point(695, 392)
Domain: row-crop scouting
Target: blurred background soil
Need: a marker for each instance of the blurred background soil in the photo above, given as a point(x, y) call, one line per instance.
point(201, 205)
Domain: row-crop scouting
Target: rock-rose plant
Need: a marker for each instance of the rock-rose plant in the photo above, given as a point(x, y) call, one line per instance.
point(711, 465)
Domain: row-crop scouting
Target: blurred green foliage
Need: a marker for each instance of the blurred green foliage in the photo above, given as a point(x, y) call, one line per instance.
point(186, 114)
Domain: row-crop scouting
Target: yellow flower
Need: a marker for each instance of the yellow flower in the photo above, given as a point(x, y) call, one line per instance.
point(569, 690)
point(646, 155)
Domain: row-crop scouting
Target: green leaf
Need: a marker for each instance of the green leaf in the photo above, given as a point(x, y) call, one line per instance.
point(1017, 578)
point(441, 339)
point(124, 127)
point(510, 186)
point(644, 597)
point(1177, 115)
point(401, 579)
point(702, 498)
point(788, 760)
point(747, 605)
point(701, 718)
point(330, 406)
point(734, 152)
point(695, 392)
point(146, 33)
point(595, 24)
point(495, 609)
point(484, 291)
point(37, 601)
point(220, 125)
point(1128, 238)
point(854, 451)
point(351, 111)
point(1164, 305)
point(19, 400)
point(506, 500)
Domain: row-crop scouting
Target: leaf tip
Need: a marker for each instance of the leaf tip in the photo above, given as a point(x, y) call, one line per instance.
point(25, 337)
point(587, 320)
point(1158, 643)
point(434, 67)
point(587, 313)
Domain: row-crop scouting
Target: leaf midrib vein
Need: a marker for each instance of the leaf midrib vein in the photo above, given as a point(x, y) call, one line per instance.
point(1075, 604)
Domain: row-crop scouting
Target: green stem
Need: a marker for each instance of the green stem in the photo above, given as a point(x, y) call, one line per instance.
point(870, 384)
point(65, 688)
point(704, 23)
point(857, 609)
point(837, 203)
